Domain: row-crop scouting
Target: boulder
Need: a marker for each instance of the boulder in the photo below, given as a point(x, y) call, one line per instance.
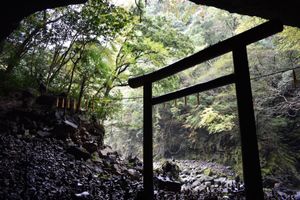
point(221, 180)
point(69, 123)
point(46, 100)
point(171, 170)
point(79, 152)
point(168, 185)
point(82, 195)
point(44, 133)
point(270, 181)
point(196, 183)
point(64, 130)
point(297, 196)
point(90, 147)
point(106, 151)
point(200, 188)
point(28, 97)
point(134, 173)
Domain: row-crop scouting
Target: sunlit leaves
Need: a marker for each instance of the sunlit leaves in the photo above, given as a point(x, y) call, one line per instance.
point(289, 40)
point(213, 121)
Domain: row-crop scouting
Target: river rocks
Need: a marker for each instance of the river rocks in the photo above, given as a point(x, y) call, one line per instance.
point(202, 178)
point(221, 184)
point(297, 196)
point(198, 177)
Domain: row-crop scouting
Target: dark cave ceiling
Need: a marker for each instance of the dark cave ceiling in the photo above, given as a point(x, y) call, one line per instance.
point(288, 11)
point(13, 11)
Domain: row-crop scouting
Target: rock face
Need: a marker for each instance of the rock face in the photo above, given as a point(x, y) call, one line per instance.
point(277, 145)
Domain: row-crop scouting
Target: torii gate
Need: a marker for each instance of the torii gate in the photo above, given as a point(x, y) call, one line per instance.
point(241, 78)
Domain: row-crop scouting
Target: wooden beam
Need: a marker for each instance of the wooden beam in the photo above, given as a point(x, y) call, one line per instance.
point(75, 105)
point(68, 103)
point(198, 99)
point(255, 34)
point(250, 155)
point(148, 144)
point(295, 78)
point(57, 102)
point(218, 82)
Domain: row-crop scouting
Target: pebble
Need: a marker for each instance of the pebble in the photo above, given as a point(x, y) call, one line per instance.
point(83, 194)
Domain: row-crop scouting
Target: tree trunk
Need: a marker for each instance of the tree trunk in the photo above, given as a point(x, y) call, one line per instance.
point(72, 75)
point(84, 79)
point(15, 59)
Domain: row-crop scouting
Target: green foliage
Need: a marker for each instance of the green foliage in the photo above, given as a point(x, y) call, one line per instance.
point(279, 122)
point(208, 172)
point(212, 120)
point(290, 39)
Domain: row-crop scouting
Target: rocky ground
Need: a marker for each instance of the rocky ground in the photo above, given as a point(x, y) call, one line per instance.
point(41, 168)
point(47, 153)
point(210, 181)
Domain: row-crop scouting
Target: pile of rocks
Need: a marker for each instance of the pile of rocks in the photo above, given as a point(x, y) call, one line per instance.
point(41, 168)
point(46, 153)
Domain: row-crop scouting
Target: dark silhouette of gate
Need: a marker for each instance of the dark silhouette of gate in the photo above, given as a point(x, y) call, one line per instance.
point(241, 79)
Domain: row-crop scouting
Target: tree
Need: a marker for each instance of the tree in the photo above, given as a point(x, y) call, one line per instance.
point(62, 35)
